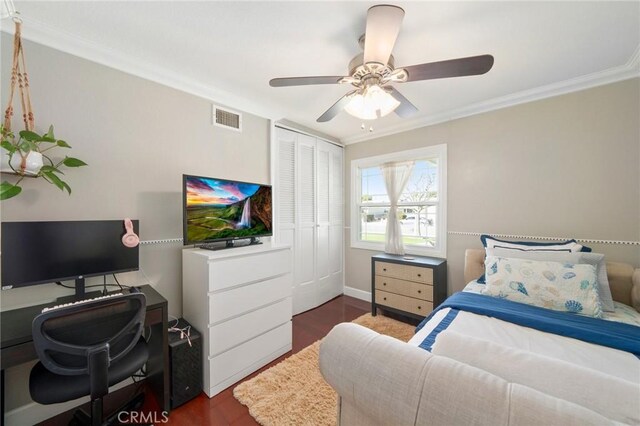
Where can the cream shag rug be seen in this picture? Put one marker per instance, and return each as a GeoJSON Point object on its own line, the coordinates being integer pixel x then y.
{"type": "Point", "coordinates": [293, 392]}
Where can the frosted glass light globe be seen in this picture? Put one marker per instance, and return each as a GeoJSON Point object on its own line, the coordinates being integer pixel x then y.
{"type": "Point", "coordinates": [374, 103]}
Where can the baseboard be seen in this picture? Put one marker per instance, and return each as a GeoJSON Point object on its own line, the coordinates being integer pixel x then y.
{"type": "Point", "coordinates": [357, 293]}
{"type": "Point", "coordinates": [33, 413]}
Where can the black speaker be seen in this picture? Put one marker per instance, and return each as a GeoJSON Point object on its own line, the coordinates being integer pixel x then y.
{"type": "Point", "coordinates": [185, 363]}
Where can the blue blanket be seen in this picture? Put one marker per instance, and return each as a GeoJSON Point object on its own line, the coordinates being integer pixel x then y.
{"type": "Point", "coordinates": [624, 337]}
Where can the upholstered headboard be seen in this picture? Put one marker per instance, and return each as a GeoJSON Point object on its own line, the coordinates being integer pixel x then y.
{"type": "Point", "coordinates": [623, 280]}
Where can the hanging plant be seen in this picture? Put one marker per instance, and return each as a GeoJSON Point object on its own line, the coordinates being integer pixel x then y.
{"type": "Point", "coordinates": [24, 155]}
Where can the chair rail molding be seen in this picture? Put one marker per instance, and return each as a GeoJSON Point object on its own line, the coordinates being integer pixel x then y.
{"type": "Point", "coordinates": [533, 237]}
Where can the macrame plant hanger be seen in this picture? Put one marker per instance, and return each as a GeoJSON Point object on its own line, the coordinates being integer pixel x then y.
{"type": "Point", "coordinates": [24, 154]}
{"type": "Point", "coordinates": [20, 78]}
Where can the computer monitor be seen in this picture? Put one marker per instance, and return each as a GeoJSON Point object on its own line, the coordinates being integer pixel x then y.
{"type": "Point", "coordinates": [46, 252]}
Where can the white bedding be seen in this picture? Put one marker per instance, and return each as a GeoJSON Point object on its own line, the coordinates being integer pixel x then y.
{"type": "Point", "coordinates": [607, 360]}
{"type": "Point", "coordinates": [622, 313]}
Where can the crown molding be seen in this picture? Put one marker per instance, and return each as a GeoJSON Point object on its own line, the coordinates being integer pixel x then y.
{"type": "Point", "coordinates": [291, 125]}
{"type": "Point", "coordinates": [47, 35]}
{"type": "Point", "coordinates": [630, 69]}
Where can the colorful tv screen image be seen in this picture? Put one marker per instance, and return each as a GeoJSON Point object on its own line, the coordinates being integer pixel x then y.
{"type": "Point", "coordinates": [217, 209]}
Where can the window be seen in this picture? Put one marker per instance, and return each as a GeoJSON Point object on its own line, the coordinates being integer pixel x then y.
{"type": "Point", "coordinates": [421, 207]}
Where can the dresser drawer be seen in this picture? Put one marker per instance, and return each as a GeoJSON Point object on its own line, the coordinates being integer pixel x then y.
{"type": "Point", "coordinates": [404, 303]}
{"type": "Point", "coordinates": [235, 271]}
{"type": "Point", "coordinates": [231, 333]}
{"type": "Point", "coordinates": [405, 288]}
{"type": "Point", "coordinates": [405, 272]}
{"type": "Point", "coordinates": [237, 301]}
{"type": "Point", "coordinates": [246, 357]}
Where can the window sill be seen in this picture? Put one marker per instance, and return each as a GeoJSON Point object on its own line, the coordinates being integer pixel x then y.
{"type": "Point", "coordinates": [418, 251]}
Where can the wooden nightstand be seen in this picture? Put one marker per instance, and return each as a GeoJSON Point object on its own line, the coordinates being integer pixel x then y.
{"type": "Point", "coordinates": [409, 287]}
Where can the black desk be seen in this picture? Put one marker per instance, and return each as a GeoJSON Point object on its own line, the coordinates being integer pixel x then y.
{"type": "Point", "coordinates": [17, 344]}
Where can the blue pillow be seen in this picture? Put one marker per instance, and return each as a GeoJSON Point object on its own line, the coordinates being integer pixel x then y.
{"type": "Point", "coordinates": [484, 237]}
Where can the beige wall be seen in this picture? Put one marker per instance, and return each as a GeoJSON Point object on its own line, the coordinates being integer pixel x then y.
{"type": "Point", "coordinates": [564, 166]}
{"type": "Point", "coordinates": [138, 138]}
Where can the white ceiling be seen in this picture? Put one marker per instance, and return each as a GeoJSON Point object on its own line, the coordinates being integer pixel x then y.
{"type": "Point", "coordinates": [228, 51]}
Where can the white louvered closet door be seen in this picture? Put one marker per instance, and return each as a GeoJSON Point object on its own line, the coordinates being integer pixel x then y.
{"type": "Point", "coordinates": [308, 193]}
{"type": "Point", "coordinates": [285, 189]}
{"type": "Point", "coordinates": [323, 276]}
{"type": "Point", "coordinates": [336, 220]}
{"type": "Point", "coordinates": [305, 292]}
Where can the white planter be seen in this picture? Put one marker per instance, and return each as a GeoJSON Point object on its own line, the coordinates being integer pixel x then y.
{"type": "Point", "coordinates": [30, 165]}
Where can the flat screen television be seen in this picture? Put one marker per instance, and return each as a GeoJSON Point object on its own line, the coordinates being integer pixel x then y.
{"type": "Point", "coordinates": [224, 210]}
{"type": "Point", "coordinates": [46, 252]}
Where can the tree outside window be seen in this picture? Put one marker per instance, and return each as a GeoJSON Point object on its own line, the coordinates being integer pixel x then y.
{"type": "Point", "coordinates": [421, 206]}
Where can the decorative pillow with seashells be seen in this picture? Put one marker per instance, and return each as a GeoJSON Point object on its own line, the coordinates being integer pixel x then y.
{"type": "Point", "coordinates": [559, 286]}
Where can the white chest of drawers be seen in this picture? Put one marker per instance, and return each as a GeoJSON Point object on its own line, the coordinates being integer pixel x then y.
{"type": "Point", "coordinates": [240, 300]}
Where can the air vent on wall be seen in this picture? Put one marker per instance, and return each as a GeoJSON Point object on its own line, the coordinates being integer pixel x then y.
{"type": "Point", "coordinates": [223, 117]}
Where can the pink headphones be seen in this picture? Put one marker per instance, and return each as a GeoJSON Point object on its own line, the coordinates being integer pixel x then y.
{"type": "Point", "coordinates": [130, 239]}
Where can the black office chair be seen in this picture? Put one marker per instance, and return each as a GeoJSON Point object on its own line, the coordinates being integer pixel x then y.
{"type": "Point", "coordinates": [85, 348]}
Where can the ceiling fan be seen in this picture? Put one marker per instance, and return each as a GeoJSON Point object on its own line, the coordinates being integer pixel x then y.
{"type": "Point", "coordinates": [373, 71]}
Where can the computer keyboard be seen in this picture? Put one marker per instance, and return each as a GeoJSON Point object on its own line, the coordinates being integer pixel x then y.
{"type": "Point", "coordinates": [81, 302]}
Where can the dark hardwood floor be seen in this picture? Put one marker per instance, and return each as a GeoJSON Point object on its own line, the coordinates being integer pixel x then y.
{"type": "Point", "coordinates": [223, 409]}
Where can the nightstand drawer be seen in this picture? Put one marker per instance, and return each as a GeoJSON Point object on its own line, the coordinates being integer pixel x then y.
{"type": "Point", "coordinates": [405, 288]}
{"type": "Point", "coordinates": [405, 272]}
{"type": "Point", "coordinates": [404, 303]}
{"type": "Point", "coordinates": [419, 307]}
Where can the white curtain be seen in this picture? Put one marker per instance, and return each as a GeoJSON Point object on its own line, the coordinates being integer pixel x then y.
{"type": "Point", "coordinates": [396, 176]}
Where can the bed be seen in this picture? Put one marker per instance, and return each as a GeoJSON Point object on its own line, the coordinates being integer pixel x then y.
{"type": "Point", "coordinates": [478, 369]}
{"type": "Point", "coordinates": [618, 363]}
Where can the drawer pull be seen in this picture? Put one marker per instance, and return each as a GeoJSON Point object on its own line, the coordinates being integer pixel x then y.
{"type": "Point", "coordinates": [419, 307]}
{"type": "Point", "coordinates": [419, 291]}
{"type": "Point", "coordinates": [384, 298]}
{"type": "Point", "coordinates": [384, 269]}
{"type": "Point", "coordinates": [419, 275]}
{"type": "Point", "coordinates": [384, 283]}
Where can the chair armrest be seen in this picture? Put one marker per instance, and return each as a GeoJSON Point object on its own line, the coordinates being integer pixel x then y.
{"type": "Point", "coordinates": [378, 375]}
{"type": "Point", "coordinates": [635, 290]}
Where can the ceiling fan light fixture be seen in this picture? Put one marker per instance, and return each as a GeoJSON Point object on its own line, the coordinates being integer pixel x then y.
{"type": "Point", "coordinates": [372, 71]}
{"type": "Point", "coordinates": [373, 102]}
{"type": "Point", "coordinates": [398, 75]}
{"type": "Point", "coordinates": [349, 80]}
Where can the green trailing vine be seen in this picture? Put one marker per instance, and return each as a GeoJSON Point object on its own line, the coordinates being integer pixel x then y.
{"type": "Point", "coordinates": [26, 142]}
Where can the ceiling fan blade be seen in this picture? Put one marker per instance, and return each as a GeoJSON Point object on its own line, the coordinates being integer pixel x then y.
{"type": "Point", "coordinates": [383, 26]}
{"type": "Point", "coordinates": [304, 81]}
{"type": "Point", "coordinates": [336, 108]}
{"type": "Point", "coordinates": [406, 108]}
{"type": "Point", "coordinates": [473, 65]}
